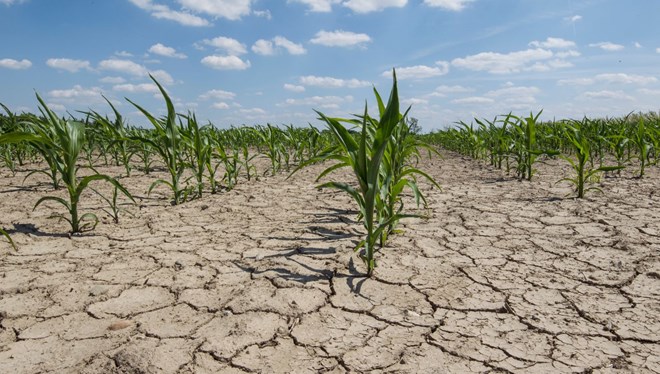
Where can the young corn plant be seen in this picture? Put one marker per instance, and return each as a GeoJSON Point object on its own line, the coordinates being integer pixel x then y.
{"type": "Point", "coordinates": [117, 136]}
{"type": "Point", "coordinates": [576, 136]}
{"type": "Point", "coordinates": [527, 149]}
{"type": "Point", "coordinates": [365, 156]}
{"type": "Point", "coordinates": [64, 140]}
{"type": "Point", "coordinates": [166, 142]}
{"type": "Point", "coordinates": [114, 207]}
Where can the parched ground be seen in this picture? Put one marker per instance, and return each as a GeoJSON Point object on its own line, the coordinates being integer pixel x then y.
{"type": "Point", "coordinates": [505, 276]}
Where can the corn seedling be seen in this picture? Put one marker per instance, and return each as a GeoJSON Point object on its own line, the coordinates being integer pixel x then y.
{"type": "Point", "coordinates": [582, 152]}
{"type": "Point", "coordinates": [364, 154]}
{"type": "Point", "coordinates": [167, 143]}
{"type": "Point", "coordinates": [114, 208]}
{"type": "Point", "coordinates": [64, 141]}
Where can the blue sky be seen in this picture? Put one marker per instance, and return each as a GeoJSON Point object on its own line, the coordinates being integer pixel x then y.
{"type": "Point", "coordinates": [237, 62]}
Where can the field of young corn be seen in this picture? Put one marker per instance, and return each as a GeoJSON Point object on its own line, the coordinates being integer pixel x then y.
{"type": "Point", "coordinates": [355, 245]}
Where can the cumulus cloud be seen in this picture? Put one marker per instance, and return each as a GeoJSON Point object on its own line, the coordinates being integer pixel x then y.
{"type": "Point", "coordinates": [270, 47]}
{"type": "Point", "coordinates": [68, 64]}
{"type": "Point", "coordinates": [10, 63]}
{"type": "Point", "coordinates": [607, 95]}
{"type": "Point", "coordinates": [473, 100]}
{"type": "Point", "coordinates": [225, 62]}
{"type": "Point", "coordinates": [320, 101]}
{"type": "Point", "coordinates": [357, 6]}
{"type": "Point", "coordinates": [229, 9]}
{"type": "Point", "coordinates": [229, 45]}
{"type": "Point", "coordinates": [330, 82]}
{"type": "Point", "coordinates": [420, 71]}
{"type": "Point", "coordinates": [453, 5]}
{"type": "Point", "coordinates": [112, 80]}
{"type": "Point", "coordinates": [162, 50]}
{"type": "Point", "coordinates": [221, 105]}
{"type": "Point", "coordinates": [368, 6]}
{"type": "Point", "coordinates": [442, 91]}
{"type": "Point", "coordinates": [263, 47]}
{"type": "Point", "coordinates": [553, 43]}
{"type": "Point", "coordinates": [134, 88]}
{"type": "Point", "coordinates": [164, 12]}
{"type": "Point", "coordinates": [574, 18]}
{"type": "Point", "coordinates": [131, 68]}
{"type": "Point", "coordinates": [607, 46]}
{"type": "Point", "coordinates": [217, 95]}
{"type": "Point", "coordinates": [321, 6]}
{"type": "Point", "coordinates": [294, 88]}
{"type": "Point", "coordinates": [537, 59]}
{"type": "Point", "coordinates": [77, 95]}
{"type": "Point", "coordinates": [618, 78]}
{"type": "Point", "coordinates": [12, 2]}
{"type": "Point", "coordinates": [340, 38]}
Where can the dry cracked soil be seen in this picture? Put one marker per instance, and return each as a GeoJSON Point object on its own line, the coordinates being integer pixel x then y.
{"type": "Point", "coordinates": [504, 276]}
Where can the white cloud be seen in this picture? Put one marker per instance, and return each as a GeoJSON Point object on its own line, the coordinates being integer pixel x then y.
{"type": "Point", "coordinates": [225, 62]}
{"type": "Point", "coordinates": [11, 2]}
{"type": "Point", "coordinates": [293, 87]}
{"type": "Point", "coordinates": [367, 6]}
{"type": "Point", "coordinates": [229, 9]}
{"type": "Point", "coordinates": [322, 101]}
{"type": "Point", "coordinates": [473, 100]}
{"type": "Point", "coordinates": [454, 5]}
{"type": "Point", "coordinates": [498, 63]}
{"type": "Point", "coordinates": [340, 38]}
{"type": "Point", "coordinates": [291, 47]}
{"type": "Point", "coordinates": [321, 6]}
{"type": "Point", "coordinates": [576, 82]}
{"type": "Point", "coordinates": [637, 45]}
{"type": "Point", "coordinates": [56, 107]}
{"type": "Point", "coordinates": [414, 101]}
{"type": "Point", "coordinates": [76, 94]}
{"type": "Point", "coordinates": [112, 80]}
{"type": "Point", "coordinates": [68, 64]}
{"type": "Point", "coordinates": [270, 47]}
{"type": "Point", "coordinates": [553, 43]}
{"type": "Point", "coordinates": [574, 18]}
{"type": "Point", "coordinates": [142, 87]}
{"type": "Point", "coordinates": [123, 54]}
{"type": "Point", "coordinates": [566, 54]}
{"type": "Point", "coordinates": [15, 64]}
{"type": "Point", "coordinates": [163, 50]}
{"type": "Point", "coordinates": [623, 78]}
{"type": "Point", "coordinates": [330, 82]}
{"type": "Point", "coordinates": [164, 12]}
{"type": "Point", "coordinates": [263, 47]}
{"type": "Point", "coordinates": [618, 78]}
{"type": "Point", "coordinates": [657, 50]}
{"type": "Point", "coordinates": [263, 13]}
{"type": "Point", "coordinates": [607, 46]}
{"type": "Point", "coordinates": [420, 71]}
{"type": "Point", "coordinates": [132, 68]}
{"type": "Point", "coordinates": [231, 46]}
{"type": "Point", "coordinates": [123, 66]}
{"type": "Point", "coordinates": [162, 77]}
{"type": "Point", "coordinates": [217, 95]}
{"type": "Point", "coordinates": [252, 111]}
{"type": "Point", "coordinates": [220, 105]}
{"type": "Point", "coordinates": [607, 95]}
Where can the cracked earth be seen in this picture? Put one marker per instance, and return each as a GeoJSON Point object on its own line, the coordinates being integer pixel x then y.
{"type": "Point", "coordinates": [504, 276]}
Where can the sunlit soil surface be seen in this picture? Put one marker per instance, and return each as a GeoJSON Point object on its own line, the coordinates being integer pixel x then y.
{"type": "Point", "coordinates": [504, 276]}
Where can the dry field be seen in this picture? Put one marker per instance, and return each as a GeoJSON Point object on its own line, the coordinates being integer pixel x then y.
{"type": "Point", "coordinates": [505, 276]}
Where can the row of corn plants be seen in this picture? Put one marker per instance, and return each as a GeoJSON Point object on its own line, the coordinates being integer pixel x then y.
{"type": "Point", "coordinates": [515, 144]}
